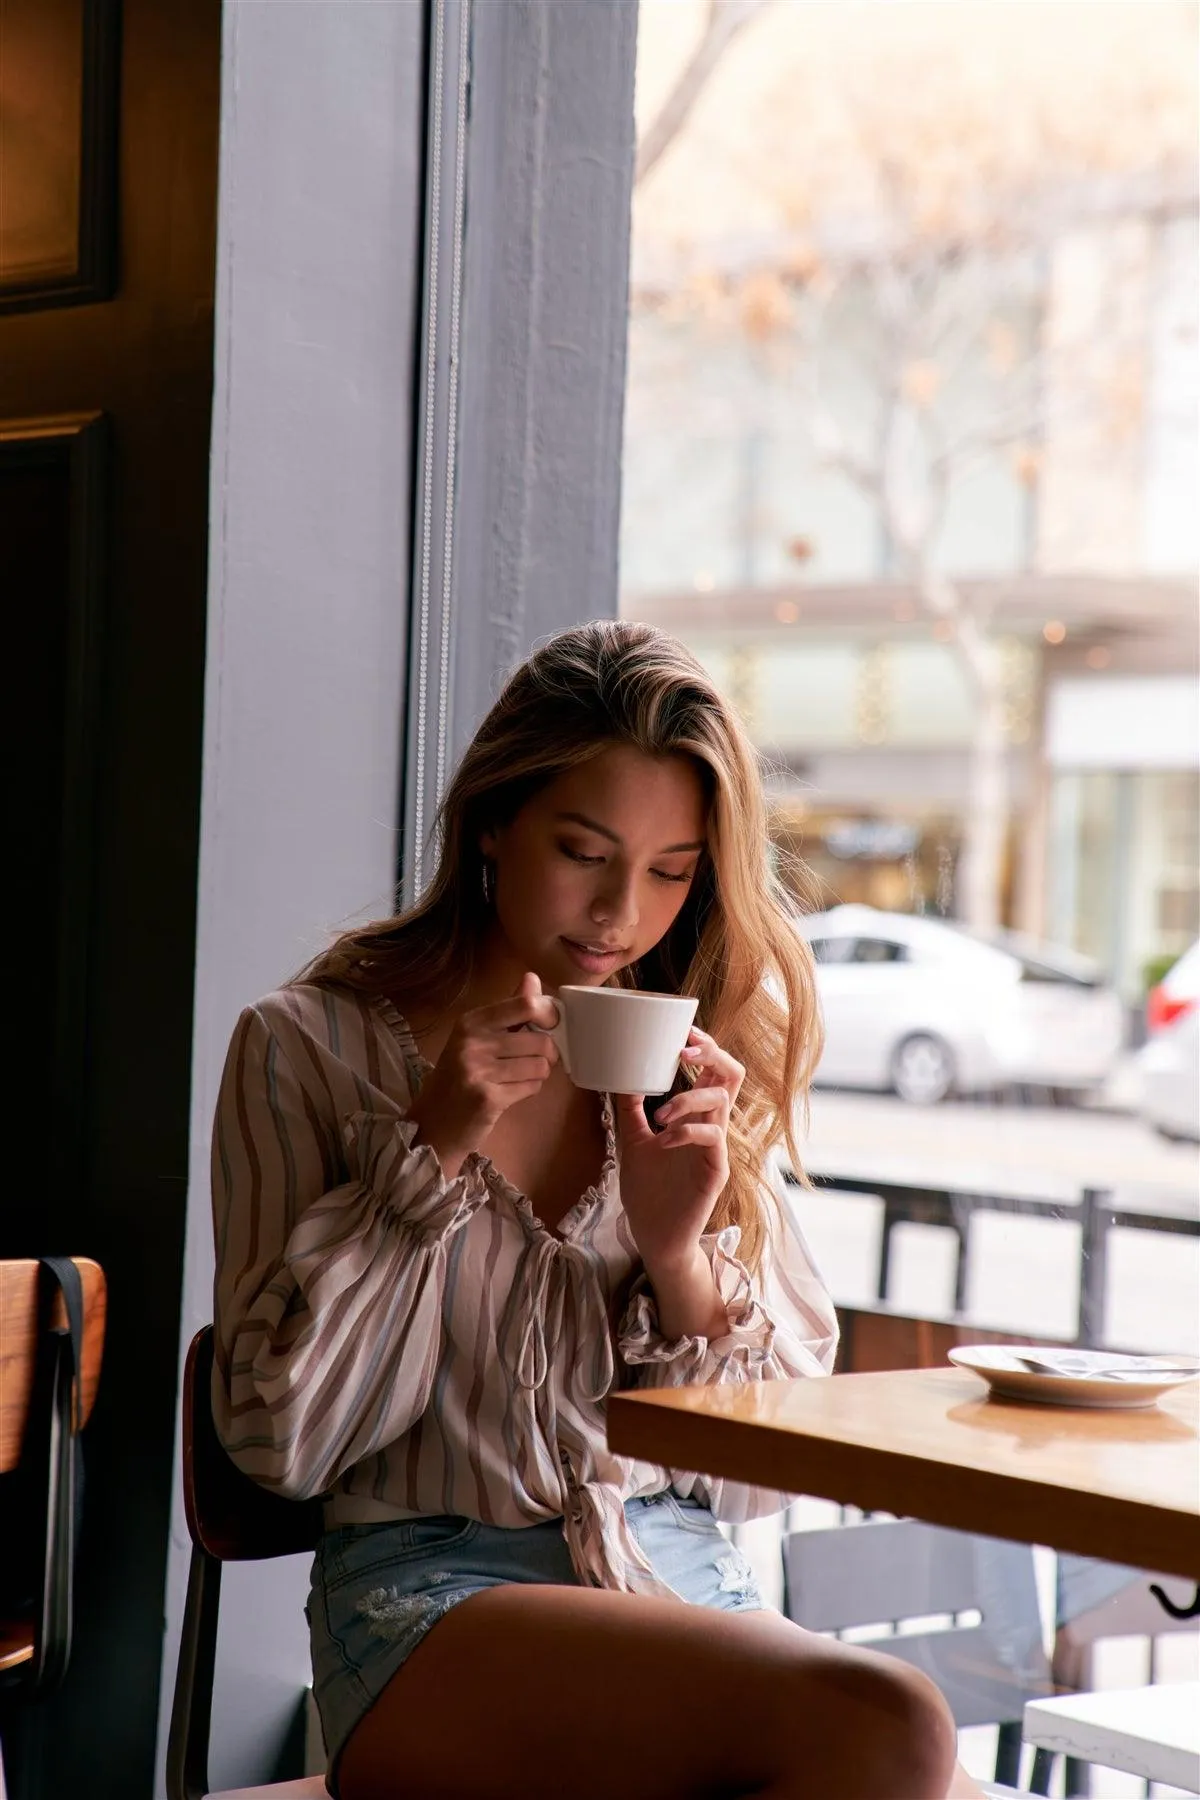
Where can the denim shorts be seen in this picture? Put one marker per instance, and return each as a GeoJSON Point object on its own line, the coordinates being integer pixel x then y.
{"type": "Point", "coordinates": [377, 1589]}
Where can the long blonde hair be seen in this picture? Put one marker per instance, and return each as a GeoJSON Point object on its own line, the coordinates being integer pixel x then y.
{"type": "Point", "coordinates": [734, 944]}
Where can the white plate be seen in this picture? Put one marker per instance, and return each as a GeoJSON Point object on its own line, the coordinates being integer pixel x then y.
{"type": "Point", "coordinates": [1080, 1378]}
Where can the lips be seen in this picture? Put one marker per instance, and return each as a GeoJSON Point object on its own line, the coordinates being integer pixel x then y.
{"type": "Point", "coordinates": [593, 958]}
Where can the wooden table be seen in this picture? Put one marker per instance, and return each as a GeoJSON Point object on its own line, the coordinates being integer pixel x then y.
{"type": "Point", "coordinates": [928, 1443]}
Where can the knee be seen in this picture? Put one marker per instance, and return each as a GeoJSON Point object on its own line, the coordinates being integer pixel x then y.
{"type": "Point", "coordinates": [874, 1729]}
{"type": "Point", "coordinates": [908, 1741]}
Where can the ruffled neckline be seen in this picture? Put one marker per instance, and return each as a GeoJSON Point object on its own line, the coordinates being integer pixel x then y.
{"type": "Point", "coordinates": [498, 1184]}
{"type": "Point", "coordinates": [402, 1031]}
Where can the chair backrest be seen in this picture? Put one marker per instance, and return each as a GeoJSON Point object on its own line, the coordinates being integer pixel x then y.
{"type": "Point", "coordinates": [49, 1372]}
{"type": "Point", "coordinates": [231, 1519]}
{"type": "Point", "coordinates": [899, 1572]}
{"type": "Point", "coordinates": [20, 1292]}
{"type": "Point", "coordinates": [229, 1516]}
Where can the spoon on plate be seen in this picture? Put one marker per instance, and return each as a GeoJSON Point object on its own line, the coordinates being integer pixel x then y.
{"type": "Point", "coordinates": [1075, 1368]}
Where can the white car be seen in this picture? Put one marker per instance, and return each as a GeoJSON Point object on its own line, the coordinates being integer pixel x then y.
{"type": "Point", "coordinates": [922, 1007]}
{"type": "Point", "coordinates": [1169, 1064]}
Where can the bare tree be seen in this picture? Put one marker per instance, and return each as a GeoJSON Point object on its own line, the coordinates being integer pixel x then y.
{"type": "Point", "coordinates": [928, 213]}
{"type": "Point", "coordinates": [984, 303]}
{"type": "Point", "coordinates": [933, 315]}
{"type": "Point", "coordinates": [723, 21]}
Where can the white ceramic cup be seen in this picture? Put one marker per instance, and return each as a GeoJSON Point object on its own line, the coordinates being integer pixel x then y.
{"type": "Point", "coordinates": [620, 1042]}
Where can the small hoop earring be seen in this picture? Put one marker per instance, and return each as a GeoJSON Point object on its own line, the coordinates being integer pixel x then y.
{"type": "Point", "coordinates": [488, 882]}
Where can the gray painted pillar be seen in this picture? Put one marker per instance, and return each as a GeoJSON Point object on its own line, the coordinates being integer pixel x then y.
{"type": "Point", "coordinates": [536, 305]}
{"type": "Point", "coordinates": [542, 322]}
{"type": "Point", "coordinates": [316, 309]}
{"type": "Point", "coordinates": [545, 317]}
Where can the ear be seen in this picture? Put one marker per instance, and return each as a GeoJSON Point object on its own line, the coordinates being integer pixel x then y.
{"type": "Point", "coordinates": [487, 842]}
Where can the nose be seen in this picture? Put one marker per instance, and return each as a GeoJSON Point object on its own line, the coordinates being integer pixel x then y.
{"type": "Point", "coordinates": [614, 905]}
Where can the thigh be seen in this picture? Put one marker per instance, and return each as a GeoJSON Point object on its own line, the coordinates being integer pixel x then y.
{"type": "Point", "coordinates": [538, 1692]}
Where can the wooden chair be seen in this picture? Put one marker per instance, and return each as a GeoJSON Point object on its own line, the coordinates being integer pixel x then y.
{"type": "Point", "coordinates": [230, 1519]}
{"type": "Point", "coordinates": [44, 1403]}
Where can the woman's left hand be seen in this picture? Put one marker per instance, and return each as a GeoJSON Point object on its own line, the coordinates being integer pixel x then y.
{"type": "Point", "coordinates": [672, 1177]}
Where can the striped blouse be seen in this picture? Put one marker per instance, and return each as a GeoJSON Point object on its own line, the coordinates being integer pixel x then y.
{"type": "Point", "coordinates": [399, 1343]}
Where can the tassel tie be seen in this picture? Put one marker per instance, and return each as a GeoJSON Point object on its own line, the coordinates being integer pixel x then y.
{"type": "Point", "coordinates": [604, 1552]}
{"type": "Point", "coordinates": [556, 1278]}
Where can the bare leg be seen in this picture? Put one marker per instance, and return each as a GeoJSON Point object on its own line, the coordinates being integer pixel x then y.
{"type": "Point", "coordinates": [545, 1691]}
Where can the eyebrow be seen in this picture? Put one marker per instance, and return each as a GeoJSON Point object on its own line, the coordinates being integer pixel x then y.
{"type": "Point", "coordinates": [575, 818]}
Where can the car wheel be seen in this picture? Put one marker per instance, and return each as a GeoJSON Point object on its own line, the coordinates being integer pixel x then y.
{"type": "Point", "coordinates": [922, 1070]}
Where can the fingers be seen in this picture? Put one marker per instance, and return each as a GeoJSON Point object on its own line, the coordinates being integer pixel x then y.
{"type": "Point", "coordinates": [711, 1103]}
{"type": "Point", "coordinates": [544, 1011]}
{"type": "Point", "coordinates": [521, 1090]}
{"type": "Point", "coordinates": [528, 1006]}
{"type": "Point", "coordinates": [702, 1136]}
{"type": "Point", "coordinates": [511, 1069]}
{"type": "Point", "coordinates": [632, 1125]}
{"type": "Point", "coordinates": [705, 1056]}
{"type": "Point", "coordinates": [517, 1042]}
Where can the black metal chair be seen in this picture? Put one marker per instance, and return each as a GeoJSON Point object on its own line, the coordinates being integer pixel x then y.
{"type": "Point", "coordinates": [230, 1519]}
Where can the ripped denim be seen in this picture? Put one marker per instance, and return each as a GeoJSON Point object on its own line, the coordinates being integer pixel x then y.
{"type": "Point", "coordinates": [377, 1589]}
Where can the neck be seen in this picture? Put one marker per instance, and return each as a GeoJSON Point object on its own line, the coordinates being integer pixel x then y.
{"type": "Point", "coordinates": [496, 972]}
{"type": "Point", "coordinates": [495, 975]}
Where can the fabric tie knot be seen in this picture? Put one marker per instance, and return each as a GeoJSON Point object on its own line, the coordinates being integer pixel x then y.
{"type": "Point", "coordinates": [557, 1278]}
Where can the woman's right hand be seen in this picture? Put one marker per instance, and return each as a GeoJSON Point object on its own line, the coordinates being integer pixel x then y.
{"type": "Point", "coordinates": [489, 1063]}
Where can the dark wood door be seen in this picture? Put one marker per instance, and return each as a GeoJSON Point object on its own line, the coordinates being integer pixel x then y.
{"type": "Point", "coordinates": [108, 175]}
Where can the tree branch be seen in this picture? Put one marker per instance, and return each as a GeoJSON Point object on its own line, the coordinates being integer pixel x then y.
{"type": "Point", "coordinates": [724, 20]}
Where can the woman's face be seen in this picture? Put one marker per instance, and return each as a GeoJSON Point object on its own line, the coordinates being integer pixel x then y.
{"type": "Point", "coordinates": [594, 869]}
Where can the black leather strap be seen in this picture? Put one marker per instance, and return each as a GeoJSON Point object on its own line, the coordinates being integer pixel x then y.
{"type": "Point", "coordinates": [62, 1471]}
{"type": "Point", "coordinates": [64, 1278]}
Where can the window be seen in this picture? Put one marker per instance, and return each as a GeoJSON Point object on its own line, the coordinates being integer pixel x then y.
{"type": "Point", "coordinates": [852, 326]}
{"type": "Point", "coordinates": [833, 950]}
{"type": "Point", "coordinates": [879, 950]}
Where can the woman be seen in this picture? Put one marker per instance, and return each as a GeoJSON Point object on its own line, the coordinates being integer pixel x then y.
{"type": "Point", "coordinates": [436, 1257]}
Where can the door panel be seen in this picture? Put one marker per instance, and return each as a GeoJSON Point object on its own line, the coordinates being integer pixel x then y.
{"type": "Point", "coordinates": [105, 386]}
{"type": "Point", "coordinates": [52, 475]}
{"type": "Point", "coordinates": [58, 112]}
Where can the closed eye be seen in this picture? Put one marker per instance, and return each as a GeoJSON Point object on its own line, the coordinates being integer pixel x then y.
{"type": "Point", "coordinates": [590, 862]}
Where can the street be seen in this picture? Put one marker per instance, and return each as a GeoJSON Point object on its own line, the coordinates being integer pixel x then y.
{"type": "Point", "coordinates": [1024, 1272]}
{"type": "Point", "coordinates": [1055, 1144]}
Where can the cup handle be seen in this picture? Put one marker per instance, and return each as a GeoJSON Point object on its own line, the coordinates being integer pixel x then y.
{"type": "Point", "coordinates": [557, 1031]}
